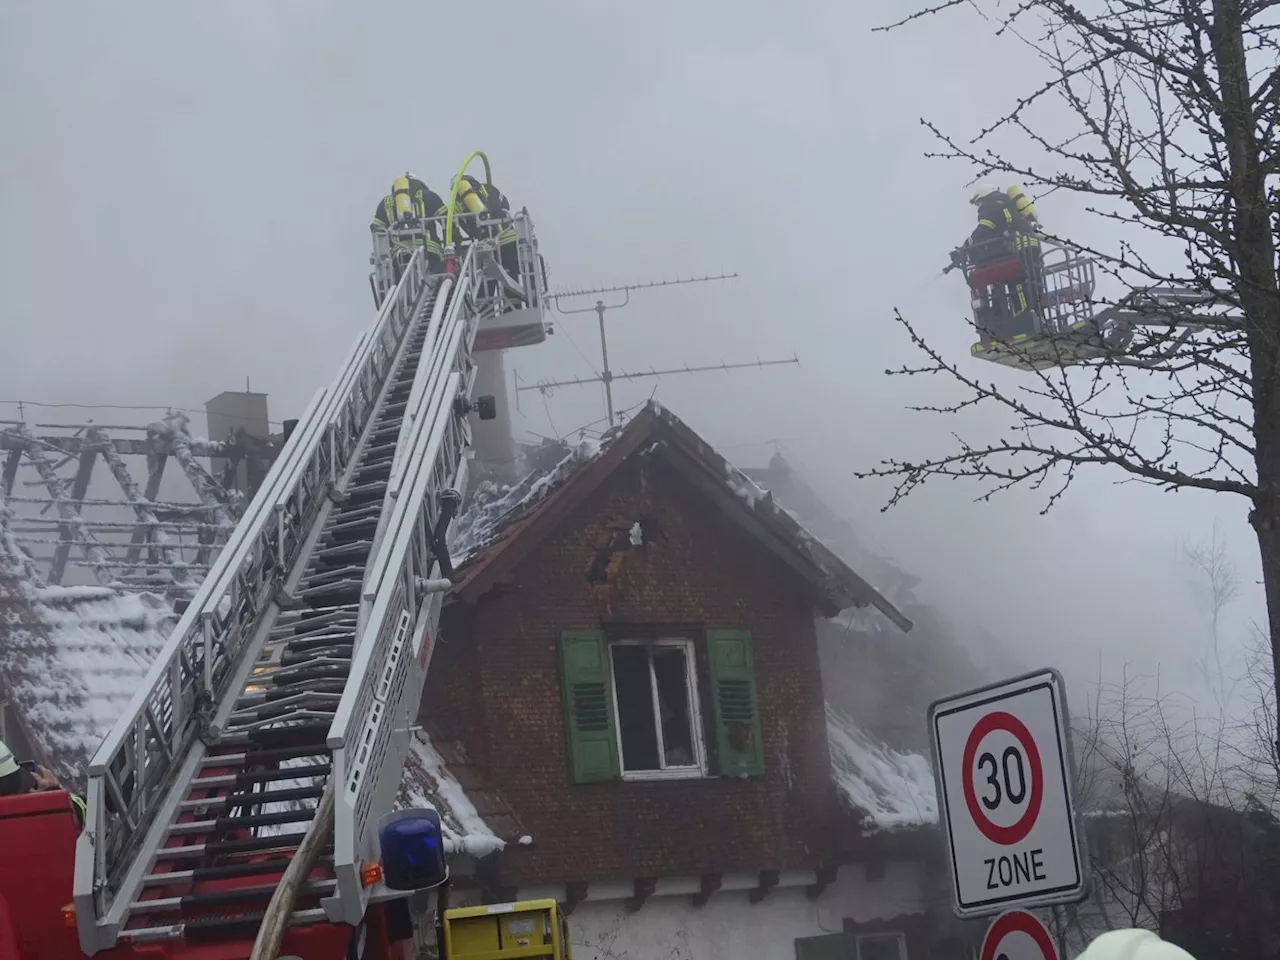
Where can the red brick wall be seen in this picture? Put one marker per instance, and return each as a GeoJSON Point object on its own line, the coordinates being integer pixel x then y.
{"type": "Point", "coordinates": [703, 571]}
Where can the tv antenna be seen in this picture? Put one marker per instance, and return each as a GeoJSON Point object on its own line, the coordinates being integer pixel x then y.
{"type": "Point", "coordinates": [607, 375]}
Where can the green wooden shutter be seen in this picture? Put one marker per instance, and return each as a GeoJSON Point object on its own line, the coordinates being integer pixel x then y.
{"type": "Point", "coordinates": [735, 704]}
{"type": "Point", "coordinates": [588, 706]}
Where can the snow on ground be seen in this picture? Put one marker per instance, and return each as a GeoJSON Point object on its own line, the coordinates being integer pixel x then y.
{"type": "Point", "coordinates": [428, 783]}
{"type": "Point", "coordinates": [892, 789]}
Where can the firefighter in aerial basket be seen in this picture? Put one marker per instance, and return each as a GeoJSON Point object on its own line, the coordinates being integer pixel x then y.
{"type": "Point", "coordinates": [1004, 261]}
{"type": "Point", "coordinates": [486, 200]}
{"type": "Point", "coordinates": [412, 205]}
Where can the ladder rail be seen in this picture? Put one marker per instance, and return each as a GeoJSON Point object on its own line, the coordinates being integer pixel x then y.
{"type": "Point", "coordinates": [405, 592]}
{"type": "Point", "coordinates": [137, 762]}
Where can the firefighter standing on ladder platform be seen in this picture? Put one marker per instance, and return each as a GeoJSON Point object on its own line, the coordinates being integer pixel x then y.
{"type": "Point", "coordinates": [411, 203]}
{"type": "Point", "coordinates": [1004, 251]}
{"type": "Point", "coordinates": [484, 199]}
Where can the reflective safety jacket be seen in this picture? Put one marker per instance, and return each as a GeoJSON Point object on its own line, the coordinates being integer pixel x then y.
{"type": "Point", "coordinates": [411, 200]}
{"type": "Point", "coordinates": [995, 220]}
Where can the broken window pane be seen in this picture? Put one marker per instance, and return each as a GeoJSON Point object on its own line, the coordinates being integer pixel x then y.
{"type": "Point", "coordinates": [672, 677]}
{"type": "Point", "coordinates": [633, 688]}
{"type": "Point", "coordinates": [656, 718]}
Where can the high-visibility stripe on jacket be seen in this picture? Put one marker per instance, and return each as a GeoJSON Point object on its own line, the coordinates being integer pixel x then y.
{"type": "Point", "coordinates": [79, 810]}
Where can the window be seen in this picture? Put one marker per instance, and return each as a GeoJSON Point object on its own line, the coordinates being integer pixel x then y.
{"type": "Point", "coordinates": [882, 946]}
{"type": "Point", "coordinates": [656, 705]}
{"type": "Point", "coordinates": [632, 707]}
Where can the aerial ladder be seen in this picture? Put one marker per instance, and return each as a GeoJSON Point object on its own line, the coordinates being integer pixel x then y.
{"type": "Point", "coordinates": [299, 663]}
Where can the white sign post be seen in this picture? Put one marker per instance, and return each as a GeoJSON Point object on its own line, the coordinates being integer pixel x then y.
{"type": "Point", "coordinates": [1018, 935]}
{"type": "Point", "coordinates": [1002, 760]}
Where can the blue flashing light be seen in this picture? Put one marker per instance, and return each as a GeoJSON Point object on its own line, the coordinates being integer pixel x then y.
{"type": "Point", "coordinates": [413, 851]}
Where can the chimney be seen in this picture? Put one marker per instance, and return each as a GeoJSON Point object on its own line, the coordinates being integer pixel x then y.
{"type": "Point", "coordinates": [229, 413]}
{"type": "Point", "coordinates": [494, 445]}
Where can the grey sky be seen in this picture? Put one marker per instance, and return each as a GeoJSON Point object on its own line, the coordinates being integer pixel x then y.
{"type": "Point", "coordinates": [215, 166]}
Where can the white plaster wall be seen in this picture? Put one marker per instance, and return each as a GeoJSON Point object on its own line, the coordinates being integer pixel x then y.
{"type": "Point", "coordinates": [729, 927]}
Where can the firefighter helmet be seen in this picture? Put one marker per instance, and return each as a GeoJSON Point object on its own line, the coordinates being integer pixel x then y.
{"type": "Point", "coordinates": [981, 192]}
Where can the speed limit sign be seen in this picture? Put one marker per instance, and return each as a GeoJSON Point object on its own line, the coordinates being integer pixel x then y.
{"type": "Point", "coordinates": [1002, 759]}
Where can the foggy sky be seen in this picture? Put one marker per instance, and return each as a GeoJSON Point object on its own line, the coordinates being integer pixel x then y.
{"type": "Point", "coordinates": [186, 191]}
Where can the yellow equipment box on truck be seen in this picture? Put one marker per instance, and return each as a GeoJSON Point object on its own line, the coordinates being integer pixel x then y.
{"type": "Point", "coordinates": [533, 929]}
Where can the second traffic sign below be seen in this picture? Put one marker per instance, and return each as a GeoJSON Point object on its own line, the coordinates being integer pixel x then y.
{"type": "Point", "coordinates": [1002, 758]}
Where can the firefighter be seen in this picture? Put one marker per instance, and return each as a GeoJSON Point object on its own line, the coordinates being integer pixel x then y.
{"type": "Point", "coordinates": [1002, 300]}
{"type": "Point", "coordinates": [1026, 225]}
{"type": "Point", "coordinates": [411, 202]}
{"type": "Point", "coordinates": [18, 777]}
{"type": "Point", "coordinates": [485, 199]}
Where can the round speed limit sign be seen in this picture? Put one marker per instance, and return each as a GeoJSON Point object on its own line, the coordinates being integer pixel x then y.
{"type": "Point", "coordinates": [1003, 779]}
{"type": "Point", "coordinates": [1017, 935]}
{"type": "Point", "coordinates": [1002, 761]}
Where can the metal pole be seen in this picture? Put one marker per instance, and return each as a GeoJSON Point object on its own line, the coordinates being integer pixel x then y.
{"type": "Point", "coordinates": [606, 376]}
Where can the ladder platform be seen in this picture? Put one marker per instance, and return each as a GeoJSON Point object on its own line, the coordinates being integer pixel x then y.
{"type": "Point", "coordinates": [1040, 351]}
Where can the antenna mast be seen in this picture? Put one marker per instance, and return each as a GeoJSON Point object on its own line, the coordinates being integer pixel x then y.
{"type": "Point", "coordinates": [607, 376]}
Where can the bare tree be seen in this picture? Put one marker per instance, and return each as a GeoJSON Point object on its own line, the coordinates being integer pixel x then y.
{"type": "Point", "coordinates": [1181, 825]}
{"type": "Point", "coordinates": [1163, 116]}
{"type": "Point", "coordinates": [1219, 583]}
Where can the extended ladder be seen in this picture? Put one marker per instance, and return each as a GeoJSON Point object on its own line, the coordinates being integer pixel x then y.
{"type": "Point", "coordinates": [302, 655]}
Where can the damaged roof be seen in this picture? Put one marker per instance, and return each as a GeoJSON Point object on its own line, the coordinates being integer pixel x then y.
{"type": "Point", "coordinates": [502, 526]}
{"type": "Point", "coordinates": [438, 773]}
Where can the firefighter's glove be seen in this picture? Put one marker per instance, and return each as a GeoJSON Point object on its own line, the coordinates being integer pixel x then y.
{"type": "Point", "coordinates": [957, 257]}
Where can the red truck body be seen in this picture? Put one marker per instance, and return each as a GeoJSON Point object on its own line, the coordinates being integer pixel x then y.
{"type": "Point", "coordinates": [37, 858]}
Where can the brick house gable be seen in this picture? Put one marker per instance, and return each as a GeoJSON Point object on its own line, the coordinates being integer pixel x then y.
{"type": "Point", "coordinates": [654, 536]}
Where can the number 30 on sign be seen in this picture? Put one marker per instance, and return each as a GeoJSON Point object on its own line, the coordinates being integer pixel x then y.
{"type": "Point", "coordinates": [1003, 764]}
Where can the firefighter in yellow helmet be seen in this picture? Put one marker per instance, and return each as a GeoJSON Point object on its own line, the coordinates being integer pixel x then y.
{"type": "Point", "coordinates": [412, 203]}
{"type": "Point", "coordinates": [18, 777]}
{"type": "Point", "coordinates": [1132, 944]}
{"type": "Point", "coordinates": [1007, 266]}
{"type": "Point", "coordinates": [487, 201]}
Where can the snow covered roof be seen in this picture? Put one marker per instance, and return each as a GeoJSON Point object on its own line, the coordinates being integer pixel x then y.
{"type": "Point", "coordinates": [890, 790]}
{"type": "Point", "coordinates": [72, 657]}
{"type": "Point", "coordinates": [477, 822]}
{"type": "Point", "coordinates": [488, 539]}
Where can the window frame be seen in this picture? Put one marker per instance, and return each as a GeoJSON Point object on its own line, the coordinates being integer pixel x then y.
{"type": "Point", "coordinates": [896, 935]}
{"type": "Point", "coordinates": [696, 771]}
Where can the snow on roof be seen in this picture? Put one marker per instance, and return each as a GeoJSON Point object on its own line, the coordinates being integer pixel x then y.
{"type": "Point", "coordinates": [71, 658]}
{"type": "Point", "coordinates": [493, 507]}
{"type": "Point", "coordinates": [890, 789]}
{"type": "Point", "coordinates": [427, 782]}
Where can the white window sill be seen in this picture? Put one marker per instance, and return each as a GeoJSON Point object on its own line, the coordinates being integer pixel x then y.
{"type": "Point", "coordinates": [680, 773]}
